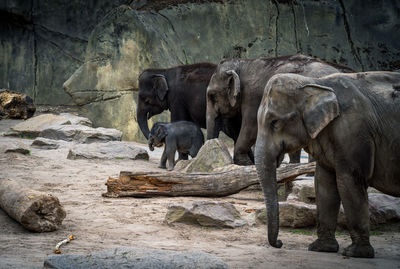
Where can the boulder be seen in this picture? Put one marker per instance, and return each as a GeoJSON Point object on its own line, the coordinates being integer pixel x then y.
{"type": "Point", "coordinates": [32, 127]}
{"type": "Point", "coordinates": [213, 154]}
{"type": "Point", "coordinates": [303, 190]}
{"type": "Point", "coordinates": [109, 150]}
{"type": "Point", "coordinates": [383, 209]}
{"type": "Point", "coordinates": [17, 147]}
{"type": "Point", "coordinates": [44, 143]}
{"type": "Point", "coordinates": [292, 214]}
{"type": "Point", "coordinates": [136, 258]}
{"type": "Point", "coordinates": [81, 133]}
{"type": "Point", "coordinates": [15, 105]}
{"type": "Point", "coordinates": [205, 213]}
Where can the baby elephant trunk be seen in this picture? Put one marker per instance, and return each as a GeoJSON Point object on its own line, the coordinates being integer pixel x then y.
{"type": "Point", "coordinates": [151, 144]}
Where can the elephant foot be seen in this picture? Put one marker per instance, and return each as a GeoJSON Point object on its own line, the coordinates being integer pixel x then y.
{"type": "Point", "coordinates": [359, 251]}
{"type": "Point", "coordinates": [162, 166]}
{"type": "Point", "coordinates": [327, 245]}
{"type": "Point", "coordinates": [242, 161]}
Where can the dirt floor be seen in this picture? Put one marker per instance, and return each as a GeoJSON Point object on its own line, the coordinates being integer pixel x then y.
{"type": "Point", "coordinates": [102, 223]}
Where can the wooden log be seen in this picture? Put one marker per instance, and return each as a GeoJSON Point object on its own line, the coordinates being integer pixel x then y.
{"type": "Point", "coordinates": [36, 211]}
{"type": "Point", "coordinates": [140, 184]}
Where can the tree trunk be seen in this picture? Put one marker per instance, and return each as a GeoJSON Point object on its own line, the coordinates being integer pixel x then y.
{"type": "Point", "coordinates": [36, 211]}
{"type": "Point", "coordinates": [139, 184]}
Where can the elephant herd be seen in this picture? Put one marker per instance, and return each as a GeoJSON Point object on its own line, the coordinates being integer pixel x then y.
{"type": "Point", "coordinates": [348, 122]}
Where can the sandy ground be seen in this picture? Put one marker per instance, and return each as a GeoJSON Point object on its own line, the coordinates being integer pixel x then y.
{"type": "Point", "coordinates": [102, 223]}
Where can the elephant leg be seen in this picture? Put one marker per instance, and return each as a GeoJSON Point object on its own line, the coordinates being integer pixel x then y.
{"type": "Point", "coordinates": [328, 204]}
{"type": "Point", "coordinates": [295, 157]}
{"type": "Point", "coordinates": [355, 203]}
{"type": "Point", "coordinates": [183, 156]}
{"type": "Point", "coordinates": [246, 139]}
{"type": "Point", "coordinates": [163, 161]}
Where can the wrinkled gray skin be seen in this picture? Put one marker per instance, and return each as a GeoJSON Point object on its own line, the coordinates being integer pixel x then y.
{"type": "Point", "coordinates": [235, 91]}
{"type": "Point", "coordinates": [320, 115]}
{"type": "Point", "coordinates": [182, 136]}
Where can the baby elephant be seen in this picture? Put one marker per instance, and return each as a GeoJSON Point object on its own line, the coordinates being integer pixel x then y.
{"type": "Point", "coordinates": [182, 136]}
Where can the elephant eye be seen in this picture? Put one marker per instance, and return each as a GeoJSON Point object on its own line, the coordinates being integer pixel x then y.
{"type": "Point", "coordinates": [273, 124]}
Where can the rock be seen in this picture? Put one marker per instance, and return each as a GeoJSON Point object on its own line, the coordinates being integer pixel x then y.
{"type": "Point", "coordinates": [33, 126]}
{"type": "Point", "coordinates": [109, 150]}
{"type": "Point", "coordinates": [15, 105]}
{"type": "Point", "coordinates": [213, 154]}
{"type": "Point", "coordinates": [293, 214]}
{"type": "Point", "coordinates": [18, 147]}
{"type": "Point", "coordinates": [383, 209]}
{"type": "Point", "coordinates": [81, 133]}
{"type": "Point", "coordinates": [136, 258]}
{"type": "Point", "coordinates": [181, 165]}
{"type": "Point", "coordinates": [44, 143]}
{"type": "Point", "coordinates": [303, 190]}
{"type": "Point", "coordinates": [205, 213]}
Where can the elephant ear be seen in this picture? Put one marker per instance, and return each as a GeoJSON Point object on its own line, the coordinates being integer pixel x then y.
{"type": "Point", "coordinates": [161, 132]}
{"type": "Point", "coordinates": [160, 85]}
{"type": "Point", "coordinates": [320, 108]}
{"type": "Point", "coordinates": [234, 88]}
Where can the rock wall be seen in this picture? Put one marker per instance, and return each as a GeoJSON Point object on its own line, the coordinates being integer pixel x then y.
{"type": "Point", "coordinates": [99, 50]}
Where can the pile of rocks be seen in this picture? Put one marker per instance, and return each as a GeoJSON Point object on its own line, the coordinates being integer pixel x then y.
{"type": "Point", "coordinates": [49, 131]}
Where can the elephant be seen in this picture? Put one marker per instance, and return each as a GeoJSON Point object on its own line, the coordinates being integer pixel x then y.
{"type": "Point", "coordinates": [180, 89]}
{"type": "Point", "coordinates": [350, 124]}
{"type": "Point", "coordinates": [235, 91]}
{"type": "Point", "coordinates": [182, 136]}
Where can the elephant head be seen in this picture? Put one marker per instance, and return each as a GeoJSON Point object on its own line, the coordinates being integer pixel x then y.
{"type": "Point", "coordinates": [157, 135]}
{"type": "Point", "coordinates": [152, 98]}
{"type": "Point", "coordinates": [223, 97]}
{"type": "Point", "coordinates": [293, 111]}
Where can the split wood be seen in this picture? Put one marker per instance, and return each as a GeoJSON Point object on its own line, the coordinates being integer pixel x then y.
{"type": "Point", "coordinates": [152, 184]}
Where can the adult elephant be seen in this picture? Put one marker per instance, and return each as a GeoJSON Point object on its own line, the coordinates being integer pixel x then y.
{"type": "Point", "coordinates": [181, 89]}
{"type": "Point", "coordinates": [350, 124]}
{"type": "Point", "coordinates": [236, 89]}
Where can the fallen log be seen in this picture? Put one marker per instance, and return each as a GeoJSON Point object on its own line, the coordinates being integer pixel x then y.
{"type": "Point", "coordinates": [140, 184]}
{"type": "Point", "coordinates": [34, 210]}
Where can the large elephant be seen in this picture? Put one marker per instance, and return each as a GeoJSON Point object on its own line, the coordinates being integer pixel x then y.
{"type": "Point", "coordinates": [236, 89]}
{"type": "Point", "coordinates": [181, 89]}
{"type": "Point", "coordinates": [350, 124]}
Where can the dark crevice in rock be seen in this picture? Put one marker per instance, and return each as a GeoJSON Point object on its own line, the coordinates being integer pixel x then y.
{"type": "Point", "coordinates": [157, 5]}
{"type": "Point", "coordinates": [35, 60]}
{"type": "Point", "coordinates": [356, 56]}
{"type": "Point", "coordinates": [60, 49]}
{"type": "Point", "coordinates": [298, 50]}
{"type": "Point", "coordinates": [72, 38]}
{"type": "Point", "coordinates": [276, 27]}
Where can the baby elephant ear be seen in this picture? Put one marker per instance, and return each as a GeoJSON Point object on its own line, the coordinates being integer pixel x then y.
{"type": "Point", "coordinates": [161, 131]}
{"type": "Point", "coordinates": [160, 86]}
{"type": "Point", "coordinates": [320, 108]}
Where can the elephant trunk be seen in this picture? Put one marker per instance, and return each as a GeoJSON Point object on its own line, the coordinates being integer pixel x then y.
{"type": "Point", "coordinates": [266, 161]}
{"type": "Point", "coordinates": [212, 125]}
{"type": "Point", "coordinates": [142, 121]}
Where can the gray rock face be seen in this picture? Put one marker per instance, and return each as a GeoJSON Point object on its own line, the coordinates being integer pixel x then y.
{"type": "Point", "coordinates": [44, 143]}
{"type": "Point", "coordinates": [213, 154]}
{"type": "Point", "coordinates": [108, 150]}
{"type": "Point", "coordinates": [100, 65]}
{"type": "Point", "coordinates": [81, 133]}
{"type": "Point", "coordinates": [32, 127]}
{"type": "Point", "coordinates": [205, 213]}
{"type": "Point", "coordinates": [136, 258]}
